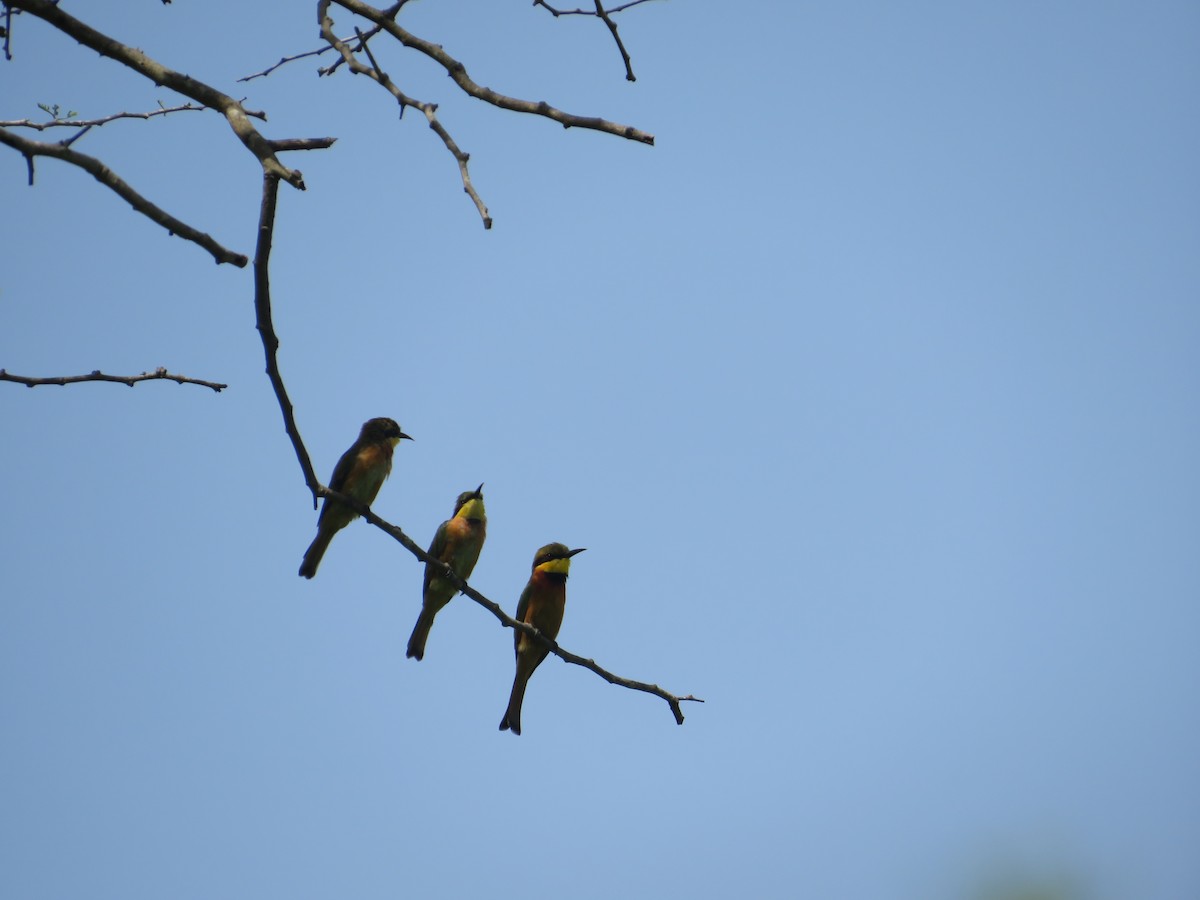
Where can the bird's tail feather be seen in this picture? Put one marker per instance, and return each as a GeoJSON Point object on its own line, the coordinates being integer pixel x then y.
{"type": "Point", "coordinates": [316, 550]}
{"type": "Point", "coordinates": [420, 634]}
{"type": "Point", "coordinates": [512, 715]}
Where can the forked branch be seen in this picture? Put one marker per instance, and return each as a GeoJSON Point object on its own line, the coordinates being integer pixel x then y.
{"type": "Point", "coordinates": [429, 110]}
{"type": "Point", "coordinates": [605, 15]}
{"type": "Point", "coordinates": [458, 72]}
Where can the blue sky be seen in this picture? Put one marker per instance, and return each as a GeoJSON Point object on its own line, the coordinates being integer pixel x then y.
{"type": "Point", "coordinates": [870, 388]}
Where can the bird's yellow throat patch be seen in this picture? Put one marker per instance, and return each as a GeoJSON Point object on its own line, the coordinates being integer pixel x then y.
{"type": "Point", "coordinates": [556, 566]}
{"type": "Point", "coordinates": [472, 509]}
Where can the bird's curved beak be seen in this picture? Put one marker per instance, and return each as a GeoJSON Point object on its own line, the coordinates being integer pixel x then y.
{"type": "Point", "coordinates": [573, 552]}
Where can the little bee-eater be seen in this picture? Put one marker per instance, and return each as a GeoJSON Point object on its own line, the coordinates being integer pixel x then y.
{"type": "Point", "coordinates": [457, 544]}
{"type": "Point", "coordinates": [541, 605]}
{"type": "Point", "coordinates": [360, 474]}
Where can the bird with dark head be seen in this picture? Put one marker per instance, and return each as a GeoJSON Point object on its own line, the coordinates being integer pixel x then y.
{"type": "Point", "coordinates": [456, 543]}
{"type": "Point", "coordinates": [541, 605]}
{"type": "Point", "coordinates": [359, 474]}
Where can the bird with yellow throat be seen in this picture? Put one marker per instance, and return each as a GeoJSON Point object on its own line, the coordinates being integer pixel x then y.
{"type": "Point", "coordinates": [456, 543]}
{"type": "Point", "coordinates": [541, 605]}
{"type": "Point", "coordinates": [359, 474]}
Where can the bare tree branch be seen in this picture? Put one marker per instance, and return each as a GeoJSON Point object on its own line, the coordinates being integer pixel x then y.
{"type": "Point", "coordinates": [159, 374]}
{"type": "Point", "coordinates": [612, 27]}
{"type": "Point", "coordinates": [370, 33]}
{"type": "Point", "coordinates": [102, 173]}
{"type": "Point", "coordinates": [88, 123]}
{"type": "Point", "coordinates": [266, 327]}
{"type": "Point", "coordinates": [604, 15]}
{"type": "Point", "coordinates": [586, 12]}
{"type": "Point", "coordinates": [235, 114]}
{"type": "Point", "coordinates": [283, 61]}
{"type": "Point", "coordinates": [375, 73]}
{"type": "Point", "coordinates": [458, 72]}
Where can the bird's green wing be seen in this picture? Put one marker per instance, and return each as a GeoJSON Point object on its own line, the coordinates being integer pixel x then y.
{"type": "Point", "coordinates": [338, 480]}
{"type": "Point", "coordinates": [342, 470]}
{"type": "Point", "coordinates": [522, 608]}
{"type": "Point", "coordinates": [436, 549]}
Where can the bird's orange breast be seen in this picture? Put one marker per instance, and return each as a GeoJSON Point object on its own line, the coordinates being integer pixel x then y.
{"type": "Point", "coordinates": [371, 469]}
{"type": "Point", "coordinates": [547, 602]}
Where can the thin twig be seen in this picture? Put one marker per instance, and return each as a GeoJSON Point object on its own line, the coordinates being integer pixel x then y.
{"type": "Point", "coordinates": [612, 27]}
{"type": "Point", "coordinates": [585, 12]}
{"type": "Point", "coordinates": [67, 142]}
{"type": "Point", "coordinates": [88, 123]}
{"type": "Point", "coordinates": [458, 72]}
{"type": "Point", "coordinates": [111, 180]}
{"type": "Point", "coordinates": [159, 374]}
{"type": "Point", "coordinates": [7, 30]}
{"type": "Point", "coordinates": [370, 33]}
{"type": "Point", "coordinates": [283, 61]}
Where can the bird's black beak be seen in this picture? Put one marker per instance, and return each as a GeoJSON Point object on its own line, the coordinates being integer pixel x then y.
{"type": "Point", "coordinates": [403, 437]}
{"type": "Point", "coordinates": [573, 552]}
{"type": "Point", "coordinates": [479, 491]}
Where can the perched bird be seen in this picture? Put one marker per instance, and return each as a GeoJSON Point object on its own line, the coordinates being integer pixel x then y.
{"type": "Point", "coordinates": [457, 544]}
{"type": "Point", "coordinates": [541, 605]}
{"type": "Point", "coordinates": [359, 474]}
